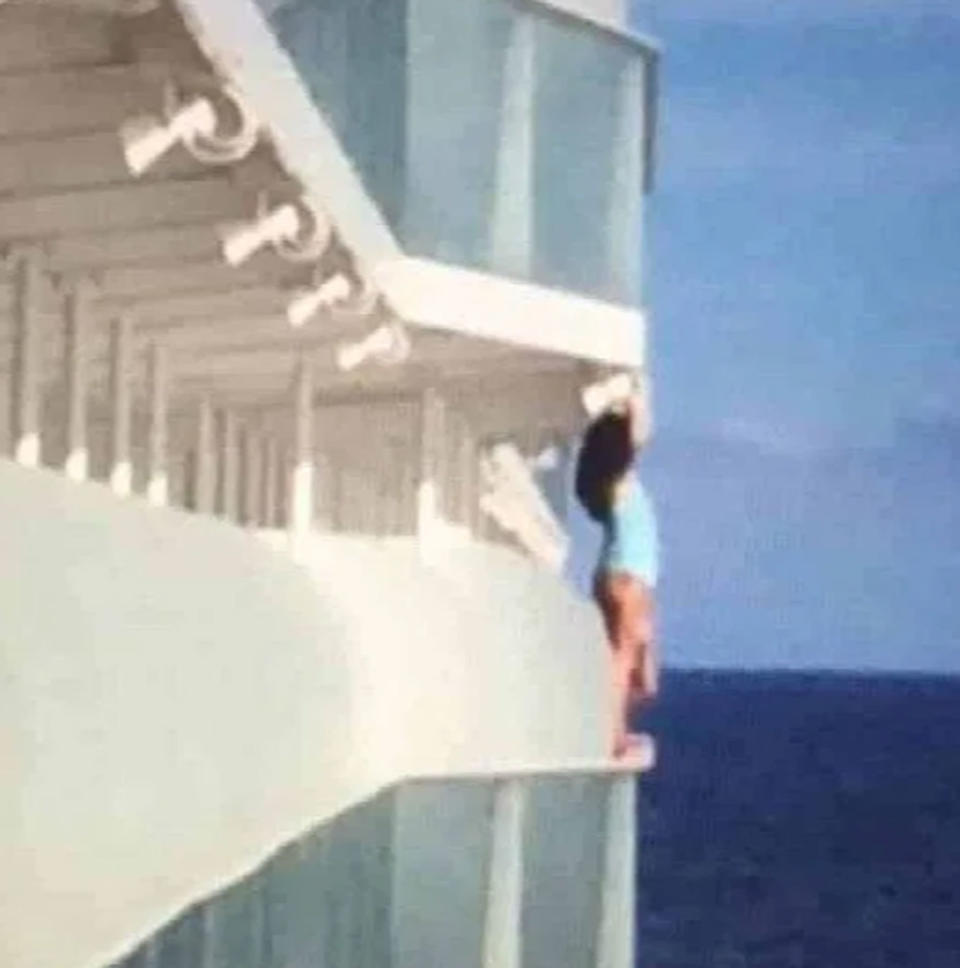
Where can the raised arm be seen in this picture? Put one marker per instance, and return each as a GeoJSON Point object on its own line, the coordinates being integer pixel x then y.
{"type": "Point", "coordinates": [638, 416]}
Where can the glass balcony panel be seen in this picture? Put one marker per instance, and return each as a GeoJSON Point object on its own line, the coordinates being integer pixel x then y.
{"type": "Point", "coordinates": [457, 59]}
{"type": "Point", "coordinates": [492, 134]}
{"type": "Point", "coordinates": [352, 57]}
{"type": "Point", "coordinates": [578, 77]}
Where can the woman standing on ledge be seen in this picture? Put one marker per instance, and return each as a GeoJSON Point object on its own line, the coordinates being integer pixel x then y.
{"type": "Point", "coordinates": [609, 487]}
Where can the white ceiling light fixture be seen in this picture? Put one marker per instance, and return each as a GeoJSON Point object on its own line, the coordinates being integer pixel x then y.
{"type": "Point", "coordinates": [146, 139]}
{"type": "Point", "coordinates": [388, 345]}
{"type": "Point", "coordinates": [240, 240]}
{"type": "Point", "coordinates": [308, 302]}
{"type": "Point", "coordinates": [294, 230]}
{"type": "Point", "coordinates": [339, 293]}
{"type": "Point", "coordinates": [193, 123]}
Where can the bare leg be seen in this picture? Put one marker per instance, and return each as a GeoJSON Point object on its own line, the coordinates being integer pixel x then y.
{"type": "Point", "coordinates": [622, 673]}
{"type": "Point", "coordinates": [627, 608]}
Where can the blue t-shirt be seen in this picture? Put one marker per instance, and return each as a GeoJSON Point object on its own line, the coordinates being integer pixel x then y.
{"type": "Point", "coordinates": [630, 540]}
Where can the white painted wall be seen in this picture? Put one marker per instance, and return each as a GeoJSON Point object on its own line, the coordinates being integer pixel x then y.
{"type": "Point", "coordinates": [176, 698]}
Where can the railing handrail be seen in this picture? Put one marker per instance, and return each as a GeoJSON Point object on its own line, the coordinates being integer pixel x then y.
{"type": "Point", "coordinates": [627, 36]}
{"type": "Point", "coordinates": [608, 768]}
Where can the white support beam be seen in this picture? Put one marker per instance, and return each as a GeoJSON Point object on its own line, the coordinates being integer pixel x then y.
{"type": "Point", "coordinates": [157, 431]}
{"type": "Point", "coordinates": [615, 937]}
{"type": "Point", "coordinates": [431, 469]}
{"type": "Point", "coordinates": [511, 240]}
{"type": "Point", "coordinates": [382, 522]}
{"type": "Point", "coordinates": [77, 323]}
{"type": "Point", "coordinates": [450, 464]}
{"type": "Point", "coordinates": [204, 467]}
{"type": "Point", "coordinates": [503, 919]}
{"type": "Point", "coordinates": [121, 464]}
{"type": "Point", "coordinates": [391, 488]}
{"type": "Point", "coordinates": [25, 383]}
{"type": "Point", "coordinates": [284, 459]}
{"type": "Point", "coordinates": [407, 482]}
{"type": "Point", "coordinates": [252, 484]}
{"type": "Point", "coordinates": [323, 489]}
{"type": "Point", "coordinates": [370, 505]}
{"type": "Point", "coordinates": [269, 514]}
{"type": "Point", "coordinates": [300, 502]}
{"type": "Point", "coordinates": [228, 464]}
{"type": "Point", "coordinates": [352, 497]}
{"type": "Point", "coordinates": [468, 471]}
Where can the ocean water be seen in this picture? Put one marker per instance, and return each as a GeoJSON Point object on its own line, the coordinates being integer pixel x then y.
{"type": "Point", "coordinates": [801, 820]}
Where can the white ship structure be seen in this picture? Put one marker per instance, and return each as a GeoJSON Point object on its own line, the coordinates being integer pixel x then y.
{"type": "Point", "coordinates": [297, 297]}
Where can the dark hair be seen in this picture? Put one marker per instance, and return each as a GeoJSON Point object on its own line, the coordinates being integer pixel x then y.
{"type": "Point", "coordinates": [606, 452]}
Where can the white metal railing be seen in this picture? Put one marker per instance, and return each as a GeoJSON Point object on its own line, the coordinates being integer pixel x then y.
{"type": "Point", "coordinates": [480, 902]}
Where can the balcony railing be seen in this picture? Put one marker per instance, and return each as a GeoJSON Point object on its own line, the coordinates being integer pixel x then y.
{"type": "Point", "coordinates": [494, 134]}
{"type": "Point", "coordinates": [525, 870]}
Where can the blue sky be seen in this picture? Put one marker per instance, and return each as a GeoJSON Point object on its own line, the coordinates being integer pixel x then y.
{"type": "Point", "coordinates": [806, 227]}
{"type": "Point", "coordinates": [804, 261]}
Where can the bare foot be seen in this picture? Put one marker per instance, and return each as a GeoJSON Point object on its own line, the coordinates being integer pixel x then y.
{"type": "Point", "coordinates": [638, 748]}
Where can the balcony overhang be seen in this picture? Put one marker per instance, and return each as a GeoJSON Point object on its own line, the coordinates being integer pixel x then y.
{"type": "Point", "coordinates": [480, 304]}
{"type": "Point", "coordinates": [146, 250]}
{"type": "Point", "coordinates": [423, 292]}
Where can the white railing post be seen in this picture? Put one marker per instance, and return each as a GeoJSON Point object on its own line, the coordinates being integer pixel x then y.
{"type": "Point", "coordinates": [252, 477]}
{"type": "Point", "coordinates": [504, 903]}
{"type": "Point", "coordinates": [228, 466]}
{"type": "Point", "coordinates": [121, 466]}
{"type": "Point", "coordinates": [25, 384]}
{"type": "Point", "coordinates": [76, 463]}
{"type": "Point", "coordinates": [615, 939]}
{"type": "Point", "coordinates": [467, 473]}
{"type": "Point", "coordinates": [204, 476]}
{"type": "Point", "coordinates": [300, 500]}
{"type": "Point", "coordinates": [323, 491]}
{"type": "Point", "coordinates": [271, 473]}
{"type": "Point", "coordinates": [431, 470]}
{"type": "Point", "coordinates": [158, 475]}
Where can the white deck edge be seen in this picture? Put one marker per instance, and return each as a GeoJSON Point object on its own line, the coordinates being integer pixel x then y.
{"type": "Point", "coordinates": [610, 768]}
{"type": "Point", "coordinates": [480, 304]}
{"type": "Point", "coordinates": [634, 766]}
